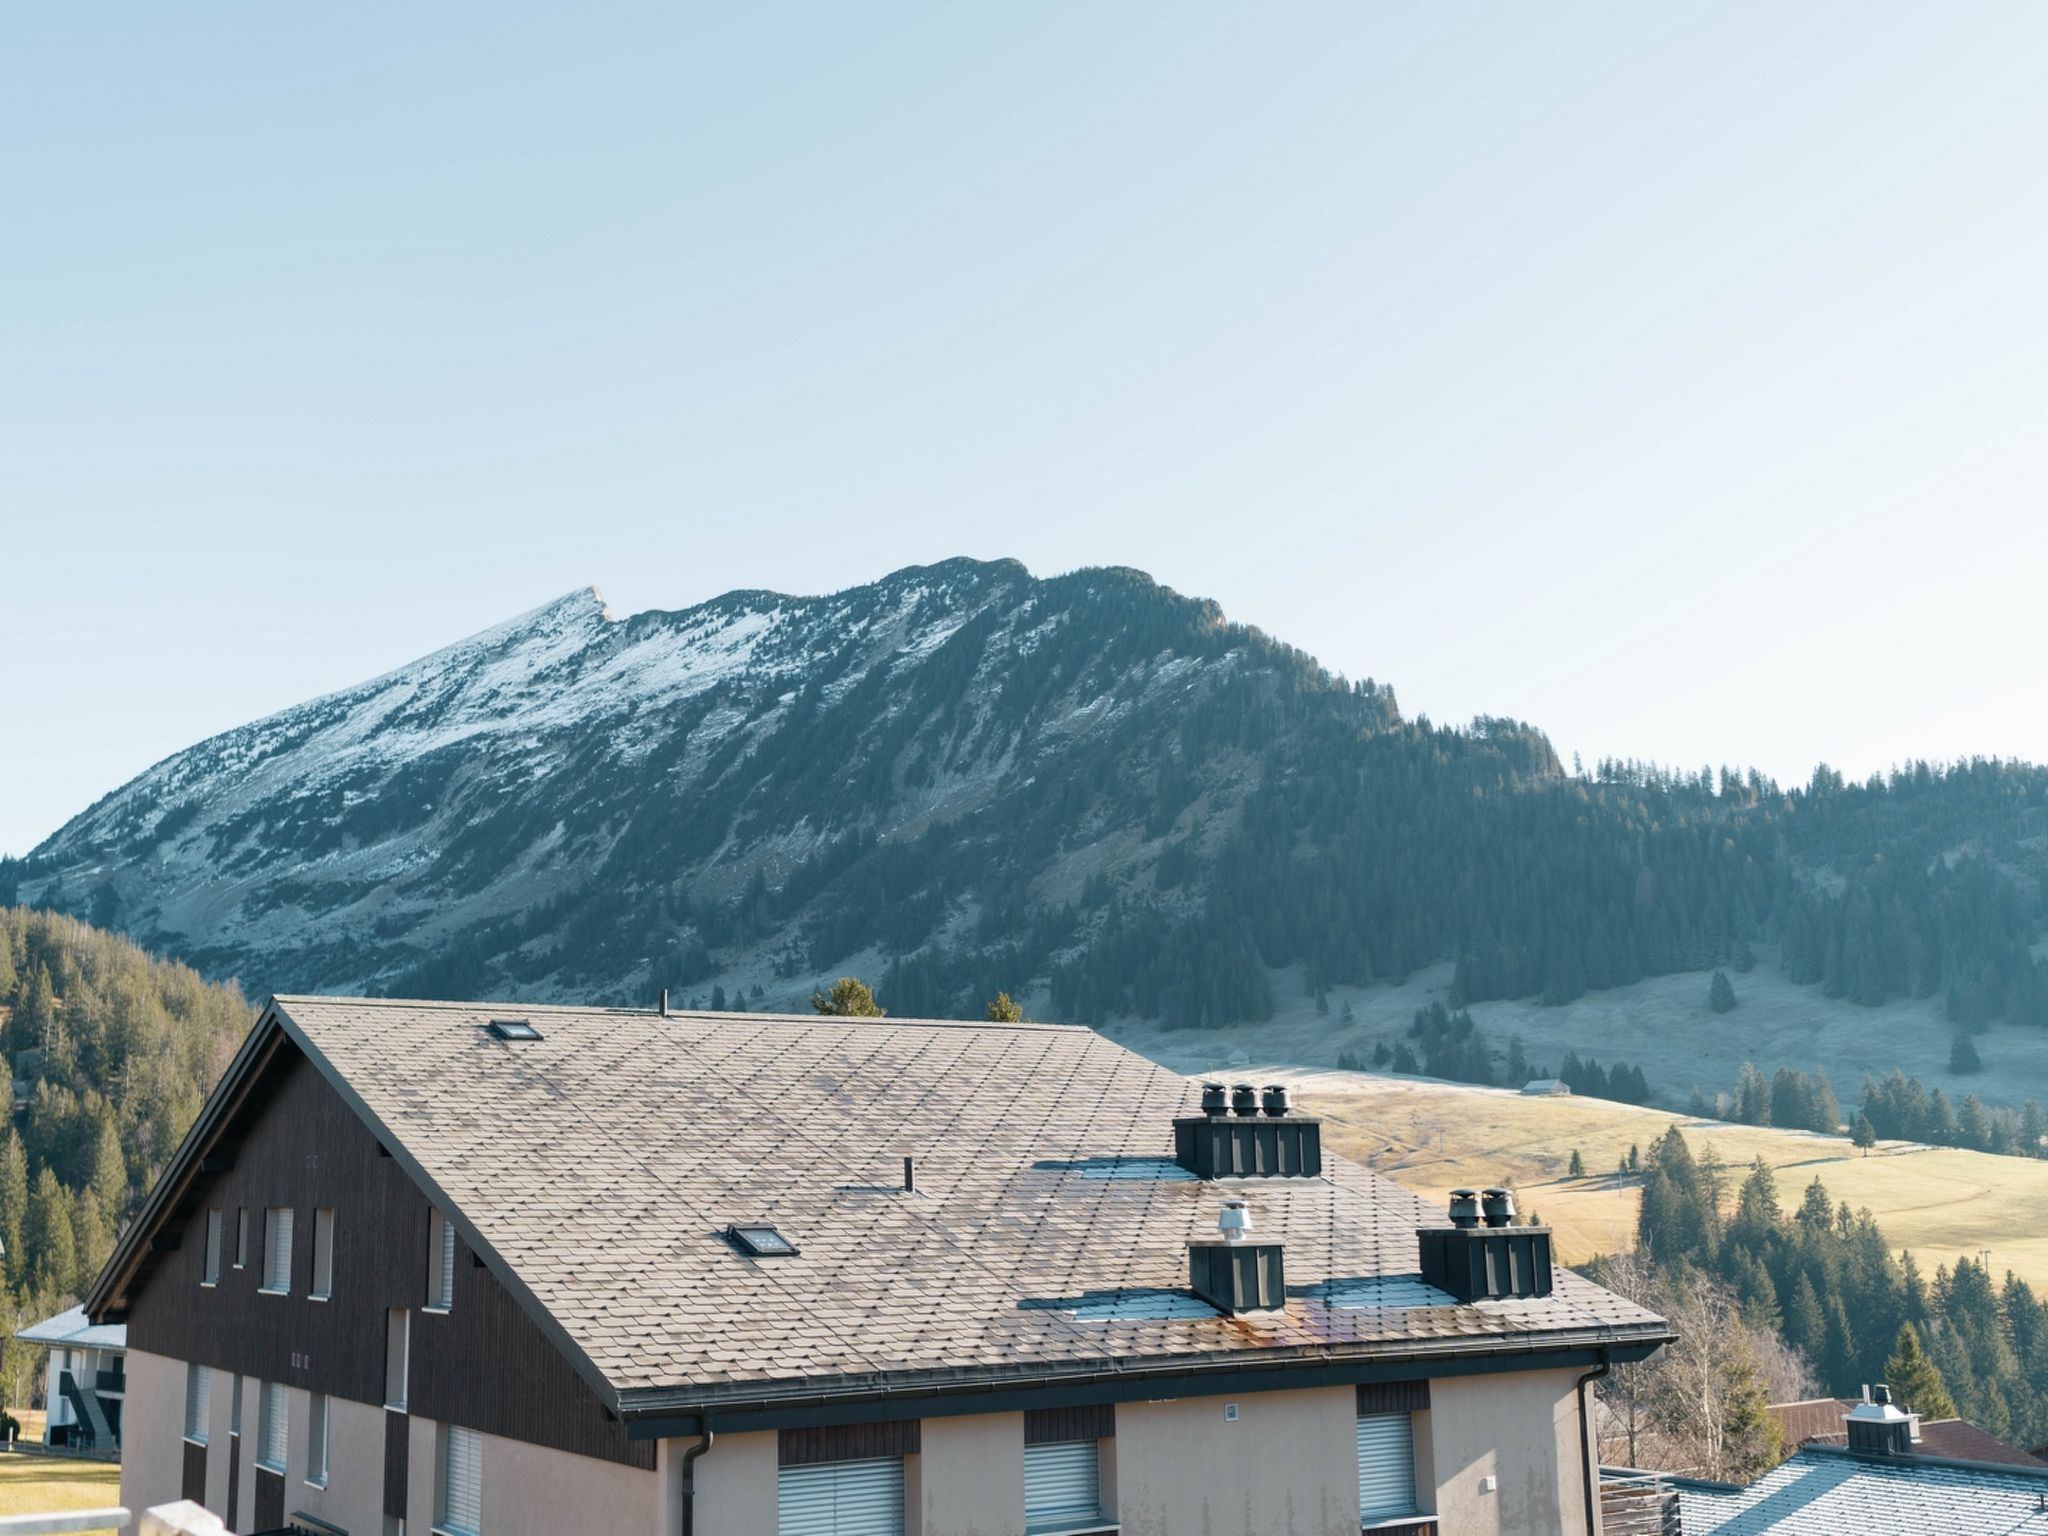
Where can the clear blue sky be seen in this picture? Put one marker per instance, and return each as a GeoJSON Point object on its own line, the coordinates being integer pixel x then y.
{"type": "Point", "coordinates": [1672, 376]}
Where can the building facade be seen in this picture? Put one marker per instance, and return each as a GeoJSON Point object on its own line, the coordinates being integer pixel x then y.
{"type": "Point", "coordinates": [86, 1386]}
{"type": "Point", "coordinates": [486, 1270]}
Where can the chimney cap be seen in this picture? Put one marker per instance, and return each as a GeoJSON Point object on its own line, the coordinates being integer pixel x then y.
{"type": "Point", "coordinates": [1235, 1220]}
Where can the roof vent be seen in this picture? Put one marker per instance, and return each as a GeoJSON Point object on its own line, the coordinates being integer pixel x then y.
{"type": "Point", "coordinates": [1278, 1144]}
{"type": "Point", "coordinates": [513, 1029]}
{"type": "Point", "coordinates": [1880, 1427]}
{"type": "Point", "coordinates": [1489, 1263]}
{"type": "Point", "coordinates": [1234, 1274]}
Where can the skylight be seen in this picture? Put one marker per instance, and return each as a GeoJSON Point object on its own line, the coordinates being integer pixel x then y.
{"type": "Point", "coordinates": [513, 1029]}
{"type": "Point", "coordinates": [762, 1241]}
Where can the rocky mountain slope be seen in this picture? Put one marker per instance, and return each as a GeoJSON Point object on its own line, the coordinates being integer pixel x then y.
{"type": "Point", "coordinates": [962, 778]}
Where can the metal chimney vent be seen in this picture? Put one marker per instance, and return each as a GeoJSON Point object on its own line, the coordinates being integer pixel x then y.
{"type": "Point", "coordinates": [1490, 1262]}
{"type": "Point", "coordinates": [1880, 1427]}
{"type": "Point", "coordinates": [1233, 1139]}
{"type": "Point", "coordinates": [1233, 1273]}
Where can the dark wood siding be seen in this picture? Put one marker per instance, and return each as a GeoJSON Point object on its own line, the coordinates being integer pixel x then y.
{"type": "Point", "coordinates": [1058, 1426]}
{"type": "Point", "coordinates": [397, 1448]}
{"type": "Point", "coordinates": [234, 1480]}
{"type": "Point", "coordinates": [847, 1442]}
{"type": "Point", "coordinates": [485, 1364]}
{"type": "Point", "coordinates": [1393, 1396]}
{"type": "Point", "coordinates": [194, 1487]}
{"type": "Point", "coordinates": [269, 1500]}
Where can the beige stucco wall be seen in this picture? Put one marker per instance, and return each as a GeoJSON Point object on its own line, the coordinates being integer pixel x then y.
{"type": "Point", "coordinates": [219, 1417]}
{"type": "Point", "coordinates": [534, 1488]}
{"type": "Point", "coordinates": [968, 1478]}
{"type": "Point", "coordinates": [354, 1496]}
{"type": "Point", "coordinates": [419, 1475]}
{"type": "Point", "coordinates": [735, 1485]}
{"type": "Point", "coordinates": [153, 1431]}
{"type": "Point", "coordinates": [1521, 1427]}
{"type": "Point", "coordinates": [1288, 1465]}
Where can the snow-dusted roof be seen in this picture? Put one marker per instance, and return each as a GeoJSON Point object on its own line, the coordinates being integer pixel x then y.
{"type": "Point", "coordinates": [74, 1329]}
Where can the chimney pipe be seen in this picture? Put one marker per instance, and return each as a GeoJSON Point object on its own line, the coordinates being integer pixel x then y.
{"type": "Point", "coordinates": [664, 1002]}
{"type": "Point", "coordinates": [1275, 1099]}
{"type": "Point", "coordinates": [1499, 1205]}
{"type": "Point", "coordinates": [1215, 1099]}
{"type": "Point", "coordinates": [909, 1176]}
{"type": "Point", "coordinates": [1464, 1208]}
{"type": "Point", "coordinates": [1244, 1099]}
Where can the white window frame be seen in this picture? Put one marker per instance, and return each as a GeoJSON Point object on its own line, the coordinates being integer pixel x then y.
{"type": "Point", "coordinates": [278, 1222]}
{"type": "Point", "coordinates": [398, 1346]}
{"type": "Point", "coordinates": [323, 1253]}
{"type": "Point", "coordinates": [273, 1426]}
{"type": "Point", "coordinates": [241, 1237]}
{"type": "Point", "coordinates": [316, 1440]}
{"type": "Point", "coordinates": [198, 1401]}
{"type": "Point", "coordinates": [235, 1407]}
{"type": "Point", "coordinates": [1404, 1424]}
{"type": "Point", "coordinates": [210, 1270]}
{"type": "Point", "coordinates": [440, 1263]}
{"type": "Point", "coordinates": [445, 1521]}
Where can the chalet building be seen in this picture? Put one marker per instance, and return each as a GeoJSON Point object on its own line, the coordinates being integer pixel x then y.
{"type": "Point", "coordinates": [87, 1380]}
{"type": "Point", "coordinates": [487, 1270]}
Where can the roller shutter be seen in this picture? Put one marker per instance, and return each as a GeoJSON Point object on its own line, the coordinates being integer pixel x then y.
{"type": "Point", "coordinates": [1386, 1466]}
{"type": "Point", "coordinates": [1061, 1488]}
{"type": "Point", "coordinates": [842, 1498]}
{"type": "Point", "coordinates": [462, 1481]}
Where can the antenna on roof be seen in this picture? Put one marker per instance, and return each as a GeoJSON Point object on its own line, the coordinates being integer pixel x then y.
{"type": "Point", "coordinates": [664, 1002]}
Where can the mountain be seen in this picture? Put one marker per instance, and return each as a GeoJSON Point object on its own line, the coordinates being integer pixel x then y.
{"type": "Point", "coordinates": [963, 778]}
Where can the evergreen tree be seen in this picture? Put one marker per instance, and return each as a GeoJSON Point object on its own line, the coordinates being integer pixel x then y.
{"type": "Point", "coordinates": [850, 997]}
{"type": "Point", "coordinates": [14, 1205]}
{"type": "Point", "coordinates": [92, 1239]}
{"type": "Point", "coordinates": [1963, 1057]}
{"type": "Point", "coordinates": [1576, 1169]}
{"type": "Point", "coordinates": [109, 1168]}
{"type": "Point", "coordinates": [1001, 1010]}
{"type": "Point", "coordinates": [1805, 1326]}
{"type": "Point", "coordinates": [1863, 1134]}
{"type": "Point", "coordinates": [49, 1237]}
{"type": "Point", "coordinates": [1721, 993]}
{"type": "Point", "coordinates": [1914, 1379]}
{"type": "Point", "coordinates": [718, 998]}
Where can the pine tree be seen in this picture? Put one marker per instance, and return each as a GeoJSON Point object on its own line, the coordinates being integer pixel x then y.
{"type": "Point", "coordinates": [1002, 1010]}
{"type": "Point", "coordinates": [1963, 1057]}
{"type": "Point", "coordinates": [1915, 1380]}
{"type": "Point", "coordinates": [1576, 1169]}
{"type": "Point", "coordinates": [1863, 1134]}
{"type": "Point", "coordinates": [14, 1205]}
{"type": "Point", "coordinates": [1805, 1325]}
{"type": "Point", "coordinates": [92, 1239]}
{"type": "Point", "coordinates": [49, 1240]}
{"type": "Point", "coordinates": [1721, 993]}
{"type": "Point", "coordinates": [109, 1169]}
{"type": "Point", "coordinates": [718, 998]}
{"type": "Point", "coordinates": [850, 997]}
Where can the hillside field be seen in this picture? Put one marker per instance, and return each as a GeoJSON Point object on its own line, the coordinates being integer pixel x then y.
{"type": "Point", "coordinates": [1432, 1137]}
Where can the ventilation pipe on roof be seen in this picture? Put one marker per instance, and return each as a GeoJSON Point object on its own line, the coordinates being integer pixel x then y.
{"type": "Point", "coordinates": [909, 1175]}
{"type": "Point", "coordinates": [1233, 1273]}
{"type": "Point", "coordinates": [1880, 1427]}
{"type": "Point", "coordinates": [1215, 1099]}
{"type": "Point", "coordinates": [664, 1002]}
{"type": "Point", "coordinates": [1488, 1263]}
{"type": "Point", "coordinates": [1244, 1099]}
{"type": "Point", "coordinates": [1275, 1099]}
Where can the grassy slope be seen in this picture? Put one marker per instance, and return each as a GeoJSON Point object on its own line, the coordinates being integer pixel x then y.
{"type": "Point", "coordinates": [1662, 1025]}
{"type": "Point", "coordinates": [47, 1484]}
{"type": "Point", "coordinates": [1431, 1137]}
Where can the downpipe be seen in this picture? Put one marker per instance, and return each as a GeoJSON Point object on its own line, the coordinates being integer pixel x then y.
{"type": "Point", "coordinates": [690, 1481]}
{"type": "Point", "coordinates": [1585, 1448]}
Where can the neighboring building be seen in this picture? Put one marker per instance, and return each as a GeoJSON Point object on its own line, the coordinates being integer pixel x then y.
{"type": "Point", "coordinates": [1547, 1088]}
{"type": "Point", "coordinates": [88, 1379]}
{"type": "Point", "coordinates": [1877, 1481]}
{"type": "Point", "coordinates": [489, 1269]}
{"type": "Point", "coordinates": [1823, 1421]}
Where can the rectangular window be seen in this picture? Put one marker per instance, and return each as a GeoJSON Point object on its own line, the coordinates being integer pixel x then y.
{"type": "Point", "coordinates": [323, 1253]}
{"type": "Point", "coordinates": [460, 1502]}
{"type": "Point", "coordinates": [316, 1441]}
{"type": "Point", "coordinates": [1386, 1467]}
{"type": "Point", "coordinates": [241, 1237]}
{"type": "Point", "coordinates": [273, 1428]}
{"type": "Point", "coordinates": [212, 1249]}
{"type": "Point", "coordinates": [833, 1496]}
{"type": "Point", "coordinates": [440, 1262]}
{"type": "Point", "coordinates": [277, 1249]}
{"type": "Point", "coordinates": [1062, 1486]}
{"type": "Point", "coordinates": [397, 1350]}
{"type": "Point", "coordinates": [235, 1406]}
{"type": "Point", "coordinates": [198, 1401]}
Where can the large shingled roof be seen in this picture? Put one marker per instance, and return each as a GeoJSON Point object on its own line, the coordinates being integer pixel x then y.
{"type": "Point", "coordinates": [596, 1169]}
{"type": "Point", "coordinates": [1829, 1491]}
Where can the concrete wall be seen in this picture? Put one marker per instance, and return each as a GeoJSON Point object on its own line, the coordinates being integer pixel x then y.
{"type": "Point", "coordinates": [1521, 1428]}
{"type": "Point", "coordinates": [968, 1479]}
{"type": "Point", "coordinates": [735, 1484]}
{"type": "Point", "coordinates": [153, 1442]}
{"type": "Point", "coordinates": [1286, 1466]}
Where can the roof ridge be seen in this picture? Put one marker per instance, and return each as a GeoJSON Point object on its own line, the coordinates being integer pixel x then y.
{"type": "Point", "coordinates": [880, 1021]}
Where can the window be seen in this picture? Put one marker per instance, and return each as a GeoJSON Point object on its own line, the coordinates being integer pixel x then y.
{"type": "Point", "coordinates": [277, 1249]}
{"type": "Point", "coordinates": [235, 1406]}
{"type": "Point", "coordinates": [397, 1348]}
{"type": "Point", "coordinates": [513, 1029]}
{"type": "Point", "coordinates": [241, 1237]}
{"type": "Point", "coordinates": [323, 1253]}
{"type": "Point", "coordinates": [1386, 1466]}
{"type": "Point", "coordinates": [212, 1276]}
{"type": "Point", "coordinates": [459, 1502]}
{"type": "Point", "coordinates": [316, 1441]}
{"type": "Point", "coordinates": [1062, 1486]}
{"type": "Point", "coordinates": [273, 1427]}
{"type": "Point", "coordinates": [440, 1262]}
{"type": "Point", "coordinates": [198, 1401]}
{"type": "Point", "coordinates": [841, 1498]}
{"type": "Point", "coordinates": [761, 1240]}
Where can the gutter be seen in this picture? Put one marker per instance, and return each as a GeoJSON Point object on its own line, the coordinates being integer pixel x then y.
{"type": "Point", "coordinates": [690, 1480]}
{"type": "Point", "coordinates": [1586, 1445]}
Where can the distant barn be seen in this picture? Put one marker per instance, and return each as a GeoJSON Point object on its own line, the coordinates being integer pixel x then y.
{"type": "Point", "coordinates": [1546, 1087]}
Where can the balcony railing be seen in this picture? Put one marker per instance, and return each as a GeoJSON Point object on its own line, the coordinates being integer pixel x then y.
{"type": "Point", "coordinates": [1638, 1504]}
{"type": "Point", "coordinates": [110, 1382]}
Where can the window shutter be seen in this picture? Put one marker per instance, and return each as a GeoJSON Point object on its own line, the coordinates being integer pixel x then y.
{"type": "Point", "coordinates": [1386, 1466]}
{"type": "Point", "coordinates": [277, 1249]}
{"type": "Point", "coordinates": [276, 1427]}
{"type": "Point", "coordinates": [462, 1481]}
{"type": "Point", "coordinates": [198, 1400]}
{"type": "Point", "coordinates": [841, 1498]}
{"type": "Point", "coordinates": [1061, 1486]}
{"type": "Point", "coordinates": [212, 1247]}
{"type": "Point", "coordinates": [444, 1274]}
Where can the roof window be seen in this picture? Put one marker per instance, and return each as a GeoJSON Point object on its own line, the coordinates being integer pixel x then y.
{"type": "Point", "coordinates": [762, 1241]}
{"type": "Point", "coordinates": [513, 1029]}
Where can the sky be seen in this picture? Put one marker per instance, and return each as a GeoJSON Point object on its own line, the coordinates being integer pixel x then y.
{"type": "Point", "coordinates": [1671, 377]}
